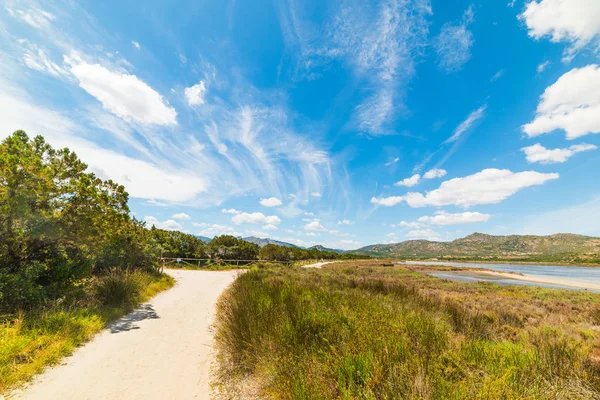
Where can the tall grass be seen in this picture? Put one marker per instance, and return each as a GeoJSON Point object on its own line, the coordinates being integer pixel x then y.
{"type": "Point", "coordinates": [31, 340]}
{"type": "Point", "coordinates": [389, 333]}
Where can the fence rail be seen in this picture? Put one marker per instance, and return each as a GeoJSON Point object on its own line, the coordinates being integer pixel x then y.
{"type": "Point", "coordinates": [199, 262]}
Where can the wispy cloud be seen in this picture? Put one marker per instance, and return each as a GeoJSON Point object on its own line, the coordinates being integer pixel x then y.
{"type": "Point", "coordinates": [467, 124]}
{"type": "Point", "coordinates": [454, 42]}
{"type": "Point", "coordinates": [497, 76]}
{"type": "Point", "coordinates": [380, 42]}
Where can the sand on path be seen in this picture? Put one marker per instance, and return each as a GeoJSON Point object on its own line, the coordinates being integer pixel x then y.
{"type": "Point", "coordinates": [317, 265]}
{"type": "Point", "coordinates": [162, 350]}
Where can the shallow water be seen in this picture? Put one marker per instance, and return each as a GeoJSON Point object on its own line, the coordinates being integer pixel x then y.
{"type": "Point", "coordinates": [567, 274]}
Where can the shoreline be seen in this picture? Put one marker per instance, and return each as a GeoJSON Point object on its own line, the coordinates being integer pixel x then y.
{"type": "Point", "coordinates": [551, 281]}
{"type": "Point", "coordinates": [534, 263]}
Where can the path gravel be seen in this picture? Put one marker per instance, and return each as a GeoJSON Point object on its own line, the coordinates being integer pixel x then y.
{"type": "Point", "coordinates": [160, 351]}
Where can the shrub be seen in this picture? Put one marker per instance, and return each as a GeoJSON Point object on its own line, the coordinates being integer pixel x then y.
{"type": "Point", "coordinates": [119, 288]}
{"type": "Point", "coordinates": [19, 289]}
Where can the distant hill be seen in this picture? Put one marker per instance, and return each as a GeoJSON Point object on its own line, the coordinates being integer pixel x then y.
{"type": "Point", "coordinates": [478, 246]}
{"type": "Point", "coordinates": [204, 238]}
{"type": "Point", "coordinates": [323, 248]}
{"type": "Point", "coordinates": [266, 241]}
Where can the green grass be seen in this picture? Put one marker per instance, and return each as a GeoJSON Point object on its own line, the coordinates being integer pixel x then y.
{"type": "Point", "coordinates": [358, 330]}
{"type": "Point", "coordinates": [30, 341]}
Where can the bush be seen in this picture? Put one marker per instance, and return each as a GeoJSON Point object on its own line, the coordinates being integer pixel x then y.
{"type": "Point", "coordinates": [19, 289]}
{"type": "Point", "coordinates": [119, 288]}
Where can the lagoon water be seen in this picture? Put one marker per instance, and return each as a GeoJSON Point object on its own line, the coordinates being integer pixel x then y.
{"type": "Point", "coordinates": [567, 274]}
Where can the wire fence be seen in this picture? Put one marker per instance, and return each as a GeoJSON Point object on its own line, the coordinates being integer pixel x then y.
{"type": "Point", "coordinates": [206, 262]}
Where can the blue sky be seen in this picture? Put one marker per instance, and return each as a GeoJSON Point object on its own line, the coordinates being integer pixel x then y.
{"type": "Point", "coordinates": [343, 123]}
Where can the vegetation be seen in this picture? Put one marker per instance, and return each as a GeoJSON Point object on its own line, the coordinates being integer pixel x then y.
{"type": "Point", "coordinates": [560, 248]}
{"type": "Point", "coordinates": [359, 330]}
{"type": "Point", "coordinates": [32, 339]}
{"type": "Point", "coordinates": [273, 252]}
{"type": "Point", "coordinates": [59, 224]}
{"type": "Point", "coordinates": [177, 244]}
{"type": "Point", "coordinates": [71, 256]}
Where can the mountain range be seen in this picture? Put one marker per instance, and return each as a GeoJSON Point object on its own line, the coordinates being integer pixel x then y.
{"type": "Point", "coordinates": [561, 247]}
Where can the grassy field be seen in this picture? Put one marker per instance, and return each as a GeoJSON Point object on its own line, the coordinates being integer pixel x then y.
{"type": "Point", "coordinates": [361, 330]}
{"type": "Point", "coordinates": [29, 341]}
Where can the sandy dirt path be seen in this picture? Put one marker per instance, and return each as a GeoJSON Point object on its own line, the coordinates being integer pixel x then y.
{"type": "Point", "coordinates": [160, 351]}
{"type": "Point", "coordinates": [317, 265]}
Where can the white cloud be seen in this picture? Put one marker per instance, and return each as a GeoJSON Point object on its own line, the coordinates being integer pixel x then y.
{"type": "Point", "coordinates": [427, 234]}
{"type": "Point", "coordinates": [136, 44]}
{"type": "Point", "coordinates": [576, 22]}
{"type": "Point", "coordinates": [153, 202]}
{"type": "Point", "coordinates": [123, 95]}
{"type": "Point", "coordinates": [345, 222]}
{"type": "Point", "coordinates": [444, 218]}
{"type": "Point", "coordinates": [489, 186]}
{"type": "Point", "coordinates": [511, 3]}
{"type": "Point", "coordinates": [387, 201]}
{"type": "Point", "coordinates": [409, 182]}
{"type": "Point", "coordinates": [230, 211]}
{"type": "Point", "coordinates": [315, 226]}
{"type": "Point", "coordinates": [467, 123]}
{"type": "Point", "coordinates": [572, 103]}
{"type": "Point", "coordinates": [538, 153]}
{"type": "Point", "coordinates": [35, 17]}
{"type": "Point", "coordinates": [414, 225]}
{"type": "Point", "coordinates": [311, 234]}
{"type": "Point", "coordinates": [394, 161]}
{"type": "Point", "coordinates": [497, 76]}
{"type": "Point", "coordinates": [181, 217]}
{"type": "Point", "coordinates": [542, 67]}
{"type": "Point", "coordinates": [270, 202]}
{"type": "Point", "coordinates": [309, 214]}
{"type": "Point", "coordinates": [218, 230]}
{"type": "Point", "coordinates": [315, 194]}
{"type": "Point", "coordinates": [453, 44]}
{"type": "Point", "coordinates": [169, 225]}
{"type": "Point", "coordinates": [435, 173]}
{"type": "Point", "coordinates": [270, 227]}
{"type": "Point", "coordinates": [255, 218]}
{"type": "Point", "coordinates": [195, 94]}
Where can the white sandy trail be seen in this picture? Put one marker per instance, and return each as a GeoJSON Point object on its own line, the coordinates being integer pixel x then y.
{"type": "Point", "coordinates": [317, 265]}
{"type": "Point", "coordinates": [163, 350]}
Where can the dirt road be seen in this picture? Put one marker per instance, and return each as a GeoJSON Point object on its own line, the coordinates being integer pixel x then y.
{"type": "Point", "coordinates": [317, 265]}
{"type": "Point", "coordinates": [160, 351]}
